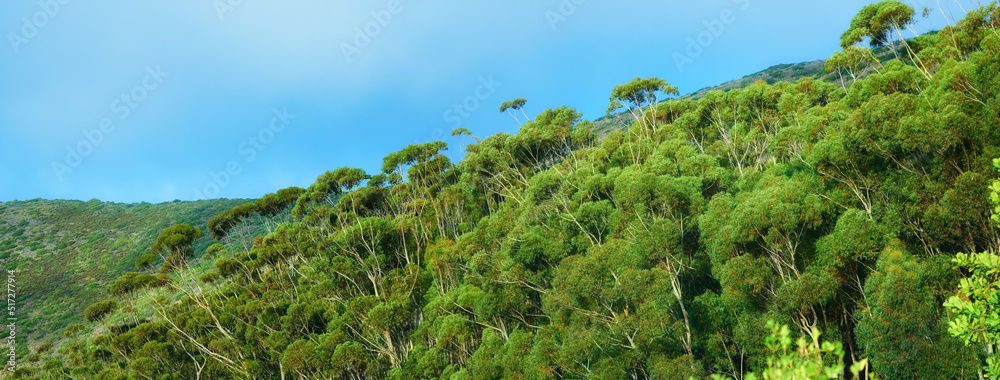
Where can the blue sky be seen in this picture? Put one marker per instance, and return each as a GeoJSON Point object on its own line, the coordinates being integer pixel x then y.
{"type": "Point", "coordinates": [131, 101]}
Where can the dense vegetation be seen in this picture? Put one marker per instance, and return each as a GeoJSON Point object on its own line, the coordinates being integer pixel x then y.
{"type": "Point", "coordinates": [64, 254]}
{"type": "Point", "coordinates": [678, 247]}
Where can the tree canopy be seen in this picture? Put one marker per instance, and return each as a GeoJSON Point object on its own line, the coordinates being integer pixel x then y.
{"type": "Point", "coordinates": [877, 22]}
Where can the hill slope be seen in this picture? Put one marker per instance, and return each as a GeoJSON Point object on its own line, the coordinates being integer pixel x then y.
{"type": "Point", "coordinates": [667, 251]}
{"type": "Point", "coordinates": [65, 253]}
{"type": "Point", "coordinates": [785, 72]}
{"type": "Point", "coordinates": [774, 74]}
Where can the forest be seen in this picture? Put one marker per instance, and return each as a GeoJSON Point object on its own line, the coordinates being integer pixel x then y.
{"type": "Point", "coordinates": [818, 229]}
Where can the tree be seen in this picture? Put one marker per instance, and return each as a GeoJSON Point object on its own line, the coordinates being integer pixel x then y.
{"type": "Point", "coordinates": [516, 104]}
{"type": "Point", "coordinates": [636, 96]}
{"type": "Point", "coordinates": [639, 94]}
{"type": "Point", "coordinates": [877, 22]}
{"type": "Point", "coordinates": [900, 328]}
{"type": "Point", "coordinates": [330, 183]}
{"type": "Point", "coordinates": [853, 60]}
{"type": "Point", "coordinates": [175, 245]}
{"type": "Point", "coordinates": [460, 132]}
{"type": "Point", "coordinates": [145, 261]}
{"type": "Point", "coordinates": [220, 226]}
{"type": "Point", "coordinates": [274, 203]}
{"type": "Point", "coordinates": [544, 139]}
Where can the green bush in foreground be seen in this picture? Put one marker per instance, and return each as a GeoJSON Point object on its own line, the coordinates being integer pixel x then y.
{"type": "Point", "coordinates": [975, 304]}
{"type": "Point", "coordinates": [808, 359]}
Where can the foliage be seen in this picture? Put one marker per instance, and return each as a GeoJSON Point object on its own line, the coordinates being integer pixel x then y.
{"type": "Point", "coordinates": [808, 359]}
{"type": "Point", "coordinates": [976, 315]}
{"type": "Point", "coordinates": [639, 93]}
{"type": "Point", "coordinates": [660, 251]}
{"type": "Point", "coordinates": [82, 247]}
{"type": "Point", "coordinates": [995, 195]}
{"type": "Point", "coordinates": [515, 104]}
{"type": "Point", "coordinates": [175, 244]}
{"type": "Point", "coordinates": [976, 305]}
{"type": "Point", "coordinates": [877, 21]}
{"type": "Point", "coordinates": [901, 326]}
{"type": "Point", "coordinates": [99, 310]}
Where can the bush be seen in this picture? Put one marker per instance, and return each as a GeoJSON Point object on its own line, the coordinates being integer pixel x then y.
{"type": "Point", "coordinates": [98, 311]}
{"type": "Point", "coordinates": [145, 261]}
{"type": "Point", "coordinates": [804, 360]}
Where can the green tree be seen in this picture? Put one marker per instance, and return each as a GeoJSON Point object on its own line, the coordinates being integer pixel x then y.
{"type": "Point", "coordinates": [901, 328]}
{"type": "Point", "coordinates": [220, 226]}
{"type": "Point", "coordinates": [877, 22]}
{"type": "Point", "coordinates": [330, 184]}
{"type": "Point", "coordinates": [460, 132]}
{"type": "Point", "coordinates": [853, 60]}
{"type": "Point", "coordinates": [516, 104]}
{"type": "Point", "coordinates": [175, 245]}
{"type": "Point", "coordinates": [638, 94]}
{"type": "Point", "coordinates": [273, 204]}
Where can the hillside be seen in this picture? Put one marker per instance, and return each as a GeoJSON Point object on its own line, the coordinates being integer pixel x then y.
{"type": "Point", "coordinates": [786, 72]}
{"type": "Point", "coordinates": [778, 73]}
{"type": "Point", "coordinates": [65, 253]}
{"type": "Point", "coordinates": [701, 242]}
{"type": "Point", "coordinates": [771, 75]}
